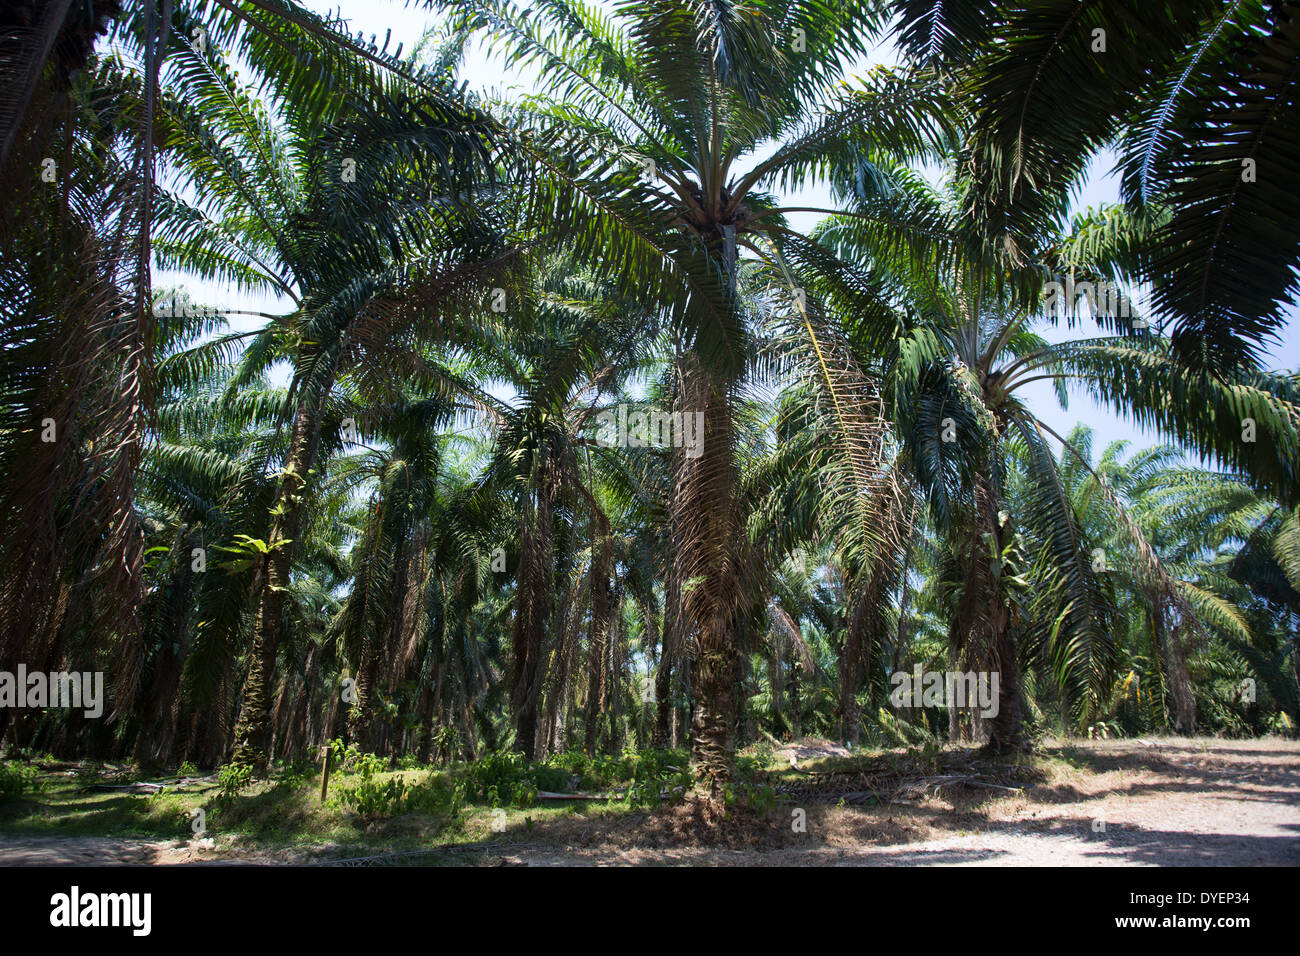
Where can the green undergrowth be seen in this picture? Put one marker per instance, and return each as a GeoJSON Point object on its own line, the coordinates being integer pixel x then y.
{"type": "Point", "coordinates": [376, 804]}
{"type": "Point", "coordinates": [371, 802]}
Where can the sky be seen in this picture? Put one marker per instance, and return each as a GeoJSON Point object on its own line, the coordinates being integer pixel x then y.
{"type": "Point", "coordinates": [486, 72]}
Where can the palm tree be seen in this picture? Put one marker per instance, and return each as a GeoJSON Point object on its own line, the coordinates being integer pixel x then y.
{"type": "Point", "coordinates": [1201, 525]}
{"type": "Point", "coordinates": [85, 128]}
{"type": "Point", "coordinates": [566, 346]}
{"type": "Point", "coordinates": [651, 167]}
{"type": "Point", "coordinates": [45, 47]}
{"type": "Point", "coordinates": [1199, 97]}
{"type": "Point", "coordinates": [1268, 564]}
{"type": "Point", "coordinates": [353, 216]}
{"type": "Point", "coordinates": [75, 376]}
{"type": "Point", "coordinates": [953, 380]}
{"type": "Point", "coordinates": [203, 482]}
{"type": "Point", "coordinates": [382, 623]}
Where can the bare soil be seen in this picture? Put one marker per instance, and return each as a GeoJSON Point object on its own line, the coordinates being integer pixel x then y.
{"type": "Point", "coordinates": [1158, 802]}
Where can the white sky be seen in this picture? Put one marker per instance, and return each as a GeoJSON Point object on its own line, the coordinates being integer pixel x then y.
{"type": "Point", "coordinates": [408, 24]}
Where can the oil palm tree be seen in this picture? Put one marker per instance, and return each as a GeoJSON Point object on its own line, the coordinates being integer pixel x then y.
{"type": "Point", "coordinates": [659, 132]}
{"type": "Point", "coordinates": [566, 347]}
{"type": "Point", "coordinates": [1200, 524]}
{"type": "Point", "coordinates": [82, 119]}
{"type": "Point", "coordinates": [75, 375]}
{"type": "Point", "coordinates": [355, 216]}
{"type": "Point", "coordinates": [1199, 98]}
{"type": "Point", "coordinates": [954, 375]}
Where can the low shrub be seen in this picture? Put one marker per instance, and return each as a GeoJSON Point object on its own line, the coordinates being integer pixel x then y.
{"type": "Point", "coordinates": [232, 778]}
{"type": "Point", "coordinates": [17, 780]}
{"type": "Point", "coordinates": [373, 798]}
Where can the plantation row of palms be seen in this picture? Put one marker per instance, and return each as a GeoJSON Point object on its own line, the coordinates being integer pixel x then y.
{"type": "Point", "coordinates": [388, 513]}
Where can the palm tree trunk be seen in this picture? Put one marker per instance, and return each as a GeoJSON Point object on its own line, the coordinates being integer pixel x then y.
{"type": "Point", "coordinates": [663, 703]}
{"type": "Point", "coordinates": [1180, 685]}
{"type": "Point", "coordinates": [600, 611]}
{"type": "Point", "coordinates": [531, 613]}
{"type": "Point", "coordinates": [714, 725]}
{"type": "Point", "coordinates": [1295, 667]}
{"type": "Point", "coordinates": [705, 528]}
{"type": "Point", "coordinates": [616, 645]}
{"type": "Point", "coordinates": [796, 701]}
{"type": "Point", "coordinates": [851, 672]}
{"type": "Point", "coordinates": [1006, 728]}
{"type": "Point", "coordinates": [1006, 731]}
{"type": "Point", "coordinates": [665, 734]}
{"type": "Point", "coordinates": [253, 732]}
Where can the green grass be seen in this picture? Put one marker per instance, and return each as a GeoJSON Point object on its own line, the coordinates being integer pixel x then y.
{"type": "Point", "coordinates": [372, 810]}
{"type": "Point", "coordinates": [459, 805]}
{"type": "Point", "coordinates": [59, 806]}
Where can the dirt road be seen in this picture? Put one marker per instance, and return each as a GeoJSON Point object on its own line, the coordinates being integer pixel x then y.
{"type": "Point", "coordinates": [1167, 802]}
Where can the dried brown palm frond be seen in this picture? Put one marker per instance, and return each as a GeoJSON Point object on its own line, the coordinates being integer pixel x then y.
{"type": "Point", "coordinates": [869, 600]}
{"type": "Point", "coordinates": [77, 374]}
